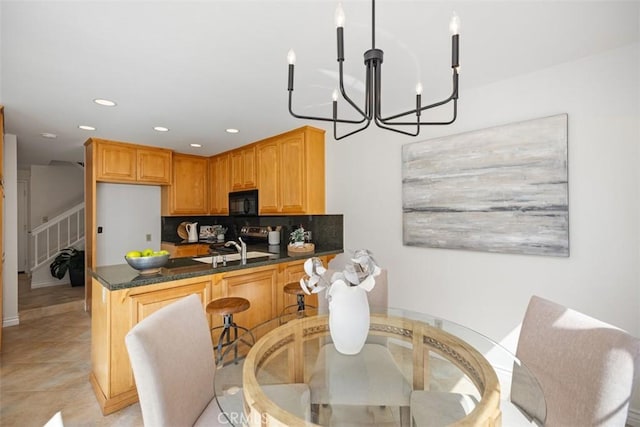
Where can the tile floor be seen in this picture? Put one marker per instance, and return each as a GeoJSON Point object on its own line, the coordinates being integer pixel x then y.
{"type": "Point", "coordinates": [46, 360]}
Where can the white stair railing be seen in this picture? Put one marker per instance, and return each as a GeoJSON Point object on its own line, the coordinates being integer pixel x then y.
{"type": "Point", "coordinates": [63, 231]}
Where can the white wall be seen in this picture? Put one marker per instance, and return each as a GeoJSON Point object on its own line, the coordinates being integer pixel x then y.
{"type": "Point", "coordinates": [489, 292]}
{"type": "Point", "coordinates": [10, 267]}
{"type": "Point", "coordinates": [127, 214]}
{"type": "Point", "coordinates": [52, 190]}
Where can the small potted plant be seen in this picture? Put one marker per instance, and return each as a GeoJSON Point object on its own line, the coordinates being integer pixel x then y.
{"type": "Point", "coordinates": [297, 237]}
{"type": "Point", "coordinates": [72, 260]}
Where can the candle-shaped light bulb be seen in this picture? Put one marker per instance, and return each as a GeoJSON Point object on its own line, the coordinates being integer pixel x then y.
{"type": "Point", "coordinates": [291, 57]}
{"type": "Point", "coordinates": [419, 88]}
{"type": "Point", "coordinates": [339, 16]}
{"type": "Point", "coordinates": [335, 95]}
{"type": "Point", "coordinates": [454, 24]}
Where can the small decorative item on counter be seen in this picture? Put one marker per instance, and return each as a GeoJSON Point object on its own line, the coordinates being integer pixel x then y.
{"type": "Point", "coordinates": [297, 245]}
{"type": "Point", "coordinates": [297, 236]}
{"type": "Point", "coordinates": [348, 303]}
{"type": "Point", "coordinates": [221, 232]}
{"type": "Point", "coordinates": [206, 232]}
{"type": "Point", "coordinates": [147, 261]}
{"type": "Point", "coordinates": [273, 236]}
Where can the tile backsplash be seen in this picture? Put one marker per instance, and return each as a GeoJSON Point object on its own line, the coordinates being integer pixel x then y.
{"type": "Point", "coordinates": [327, 230]}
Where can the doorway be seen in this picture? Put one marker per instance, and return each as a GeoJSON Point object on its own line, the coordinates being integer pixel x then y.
{"type": "Point", "coordinates": [23, 227]}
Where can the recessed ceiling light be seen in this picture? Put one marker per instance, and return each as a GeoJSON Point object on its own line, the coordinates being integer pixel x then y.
{"type": "Point", "coordinates": [48, 135]}
{"type": "Point", "coordinates": [232, 130]}
{"type": "Point", "coordinates": [85, 127]}
{"type": "Point", "coordinates": [161, 129]}
{"type": "Point", "coordinates": [104, 102]}
{"type": "Point", "coordinates": [196, 145]}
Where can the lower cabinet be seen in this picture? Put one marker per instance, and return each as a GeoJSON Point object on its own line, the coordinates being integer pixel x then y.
{"type": "Point", "coordinates": [115, 312]}
{"type": "Point", "coordinates": [259, 286]}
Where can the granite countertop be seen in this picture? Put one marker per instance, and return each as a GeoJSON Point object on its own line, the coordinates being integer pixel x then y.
{"type": "Point", "coordinates": [123, 276]}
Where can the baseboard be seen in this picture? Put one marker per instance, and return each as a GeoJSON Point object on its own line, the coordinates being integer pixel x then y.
{"type": "Point", "coordinates": [633, 418]}
{"type": "Point", "coordinates": [49, 284]}
{"type": "Point", "coordinates": [10, 321]}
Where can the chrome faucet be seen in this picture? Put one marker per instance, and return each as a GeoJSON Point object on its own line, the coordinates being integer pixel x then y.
{"type": "Point", "coordinates": [242, 249]}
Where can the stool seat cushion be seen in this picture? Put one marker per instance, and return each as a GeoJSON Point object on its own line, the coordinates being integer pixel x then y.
{"type": "Point", "coordinates": [293, 288]}
{"type": "Point", "coordinates": [229, 305]}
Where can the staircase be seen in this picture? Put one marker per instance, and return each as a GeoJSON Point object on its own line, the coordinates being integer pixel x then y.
{"type": "Point", "coordinates": [63, 231]}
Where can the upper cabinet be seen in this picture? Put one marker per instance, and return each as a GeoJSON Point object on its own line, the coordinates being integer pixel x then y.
{"type": "Point", "coordinates": [130, 163]}
{"type": "Point", "coordinates": [189, 189]}
{"type": "Point", "coordinates": [243, 168]}
{"type": "Point", "coordinates": [220, 183]}
{"type": "Point", "coordinates": [291, 176]}
{"type": "Point", "coordinates": [154, 166]}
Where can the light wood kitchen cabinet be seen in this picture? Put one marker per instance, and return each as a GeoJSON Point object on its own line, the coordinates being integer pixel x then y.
{"type": "Point", "coordinates": [129, 163]}
{"type": "Point", "coordinates": [268, 177]}
{"type": "Point", "coordinates": [189, 189]}
{"type": "Point", "coordinates": [258, 285]}
{"type": "Point", "coordinates": [181, 251]}
{"type": "Point", "coordinates": [114, 313]}
{"type": "Point", "coordinates": [291, 177]}
{"type": "Point", "coordinates": [220, 182]}
{"type": "Point", "coordinates": [243, 168]}
{"type": "Point", "coordinates": [154, 166]}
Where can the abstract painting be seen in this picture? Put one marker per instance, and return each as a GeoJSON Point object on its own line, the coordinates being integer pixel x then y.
{"type": "Point", "coordinates": [502, 189]}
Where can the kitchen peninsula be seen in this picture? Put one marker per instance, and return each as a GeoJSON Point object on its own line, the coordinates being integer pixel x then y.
{"type": "Point", "coordinates": [122, 298]}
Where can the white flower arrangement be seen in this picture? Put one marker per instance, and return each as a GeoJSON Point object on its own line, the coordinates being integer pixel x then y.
{"type": "Point", "coordinates": [361, 273]}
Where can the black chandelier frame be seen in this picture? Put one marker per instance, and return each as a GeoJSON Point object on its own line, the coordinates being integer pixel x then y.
{"type": "Point", "coordinates": [372, 111]}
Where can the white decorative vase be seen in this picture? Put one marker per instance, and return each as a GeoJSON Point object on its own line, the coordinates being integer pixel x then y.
{"type": "Point", "coordinates": [348, 317]}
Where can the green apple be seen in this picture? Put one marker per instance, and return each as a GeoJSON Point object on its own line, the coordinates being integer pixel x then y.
{"type": "Point", "coordinates": [147, 252]}
{"type": "Point", "coordinates": [133, 254]}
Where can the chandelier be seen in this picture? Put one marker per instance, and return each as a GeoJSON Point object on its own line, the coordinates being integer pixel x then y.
{"type": "Point", "coordinates": [372, 110]}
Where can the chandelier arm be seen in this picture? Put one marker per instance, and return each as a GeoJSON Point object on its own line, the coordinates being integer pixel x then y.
{"type": "Point", "coordinates": [346, 97]}
{"type": "Point", "coordinates": [452, 97]}
{"type": "Point", "coordinates": [453, 119]}
{"type": "Point", "coordinates": [324, 119]}
{"type": "Point", "coordinates": [382, 126]}
{"type": "Point", "coordinates": [414, 111]}
{"type": "Point", "coordinates": [338, 138]}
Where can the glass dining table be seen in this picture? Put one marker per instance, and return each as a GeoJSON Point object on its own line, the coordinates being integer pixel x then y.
{"type": "Point", "coordinates": [414, 370]}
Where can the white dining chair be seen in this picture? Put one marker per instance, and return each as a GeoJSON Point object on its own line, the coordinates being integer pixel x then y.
{"type": "Point", "coordinates": [585, 367]}
{"type": "Point", "coordinates": [343, 384]}
{"type": "Point", "coordinates": [172, 359]}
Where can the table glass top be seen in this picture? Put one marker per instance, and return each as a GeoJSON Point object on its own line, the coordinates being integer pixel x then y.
{"type": "Point", "coordinates": [393, 381]}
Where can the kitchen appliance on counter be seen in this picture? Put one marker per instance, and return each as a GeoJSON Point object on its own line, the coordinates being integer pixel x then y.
{"type": "Point", "coordinates": [254, 233]}
{"type": "Point", "coordinates": [243, 203]}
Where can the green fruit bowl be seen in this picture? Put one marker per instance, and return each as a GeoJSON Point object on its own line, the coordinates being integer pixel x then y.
{"type": "Point", "coordinates": [148, 264]}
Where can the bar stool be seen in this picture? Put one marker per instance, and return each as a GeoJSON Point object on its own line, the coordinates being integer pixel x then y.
{"type": "Point", "coordinates": [294, 288]}
{"type": "Point", "coordinates": [226, 307]}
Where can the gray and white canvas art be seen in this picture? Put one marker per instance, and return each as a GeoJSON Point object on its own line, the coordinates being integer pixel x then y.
{"type": "Point", "coordinates": [502, 189]}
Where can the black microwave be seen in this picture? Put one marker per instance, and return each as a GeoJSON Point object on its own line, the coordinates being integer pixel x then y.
{"type": "Point", "coordinates": [243, 203]}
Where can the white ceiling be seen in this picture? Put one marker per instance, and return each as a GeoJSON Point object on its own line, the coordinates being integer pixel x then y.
{"type": "Point", "coordinates": [201, 67]}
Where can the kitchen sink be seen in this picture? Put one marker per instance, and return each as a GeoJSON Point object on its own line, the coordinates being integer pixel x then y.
{"type": "Point", "coordinates": [232, 257]}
